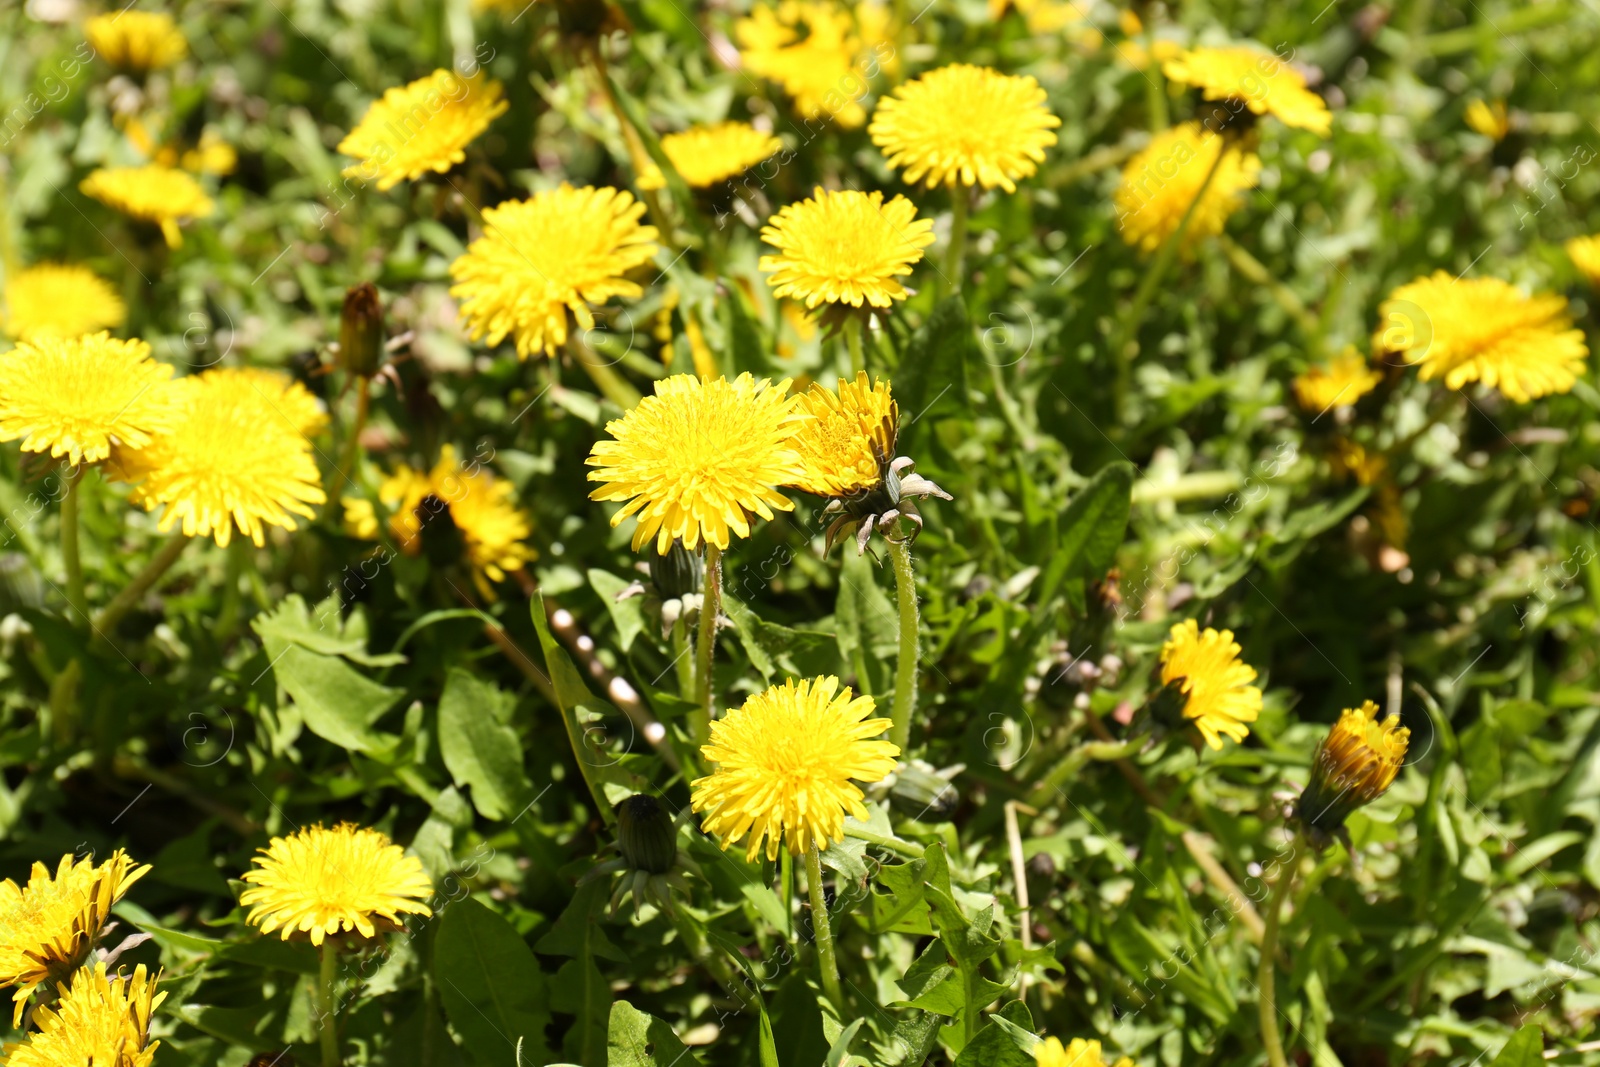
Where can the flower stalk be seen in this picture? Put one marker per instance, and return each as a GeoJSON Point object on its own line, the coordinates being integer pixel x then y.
{"type": "Point", "coordinates": [106, 621]}
{"type": "Point", "coordinates": [955, 255]}
{"type": "Point", "coordinates": [70, 559]}
{"type": "Point", "coordinates": [852, 338]}
{"type": "Point", "coordinates": [822, 931]}
{"type": "Point", "coordinates": [326, 1027]}
{"type": "Point", "coordinates": [905, 673]}
{"type": "Point", "coordinates": [1266, 976]}
{"type": "Point", "coordinates": [613, 386]}
{"type": "Point", "coordinates": [706, 644]}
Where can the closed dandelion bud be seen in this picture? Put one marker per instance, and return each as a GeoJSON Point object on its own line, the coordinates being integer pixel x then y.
{"type": "Point", "coordinates": [677, 573]}
{"type": "Point", "coordinates": [361, 331]}
{"type": "Point", "coordinates": [923, 794]}
{"type": "Point", "coordinates": [645, 834]}
{"type": "Point", "coordinates": [1355, 765]}
{"type": "Point", "coordinates": [442, 540]}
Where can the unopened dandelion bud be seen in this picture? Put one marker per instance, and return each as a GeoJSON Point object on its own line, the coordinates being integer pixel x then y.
{"type": "Point", "coordinates": [361, 332]}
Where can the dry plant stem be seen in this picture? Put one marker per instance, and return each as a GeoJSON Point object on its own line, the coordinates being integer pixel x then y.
{"type": "Point", "coordinates": [613, 386]}
{"type": "Point", "coordinates": [706, 645]}
{"type": "Point", "coordinates": [822, 931]}
{"type": "Point", "coordinates": [955, 255]}
{"type": "Point", "coordinates": [326, 1027]}
{"type": "Point", "coordinates": [1266, 972]}
{"type": "Point", "coordinates": [1199, 846]}
{"type": "Point", "coordinates": [105, 622]}
{"type": "Point", "coordinates": [1019, 876]}
{"type": "Point", "coordinates": [70, 560]}
{"type": "Point", "coordinates": [905, 671]}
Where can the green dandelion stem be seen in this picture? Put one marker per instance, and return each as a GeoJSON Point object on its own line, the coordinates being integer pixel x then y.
{"type": "Point", "coordinates": [681, 659]}
{"type": "Point", "coordinates": [852, 339]}
{"type": "Point", "coordinates": [822, 931]}
{"type": "Point", "coordinates": [106, 622]}
{"type": "Point", "coordinates": [957, 252]}
{"type": "Point", "coordinates": [905, 671]}
{"type": "Point", "coordinates": [325, 1024]}
{"type": "Point", "coordinates": [1155, 87]}
{"type": "Point", "coordinates": [1128, 328]}
{"type": "Point", "coordinates": [70, 559]}
{"type": "Point", "coordinates": [1266, 977]}
{"type": "Point", "coordinates": [352, 445]}
{"type": "Point", "coordinates": [1256, 272]}
{"type": "Point", "coordinates": [706, 645]}
{"type": "Point", "coordinates": [613, 386]}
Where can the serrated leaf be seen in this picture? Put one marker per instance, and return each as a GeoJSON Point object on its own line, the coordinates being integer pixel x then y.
{"type": "Point", "coordinates": [478, 745]}
{"type": "Point", "coordinates": [492, 989]}
{"type": "Point", "coordinates": [1088, 531]}
{"type": "Point", "coordinates": [336, 702]}
{"type": "Point", "coordinates": [1001, 1043]}
{"type": "Point", "coordinates": [627, 615]}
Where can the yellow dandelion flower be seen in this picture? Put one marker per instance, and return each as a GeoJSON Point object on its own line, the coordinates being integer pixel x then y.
{"type": "Point", "coordinates": [965, 124]}
{"type": "Point", "coordinates": [151, 193]}
{"type": "Point", "coordinates": [1257, 78]}
{"type": "Point", "coordinates": [102, 1020]}
{"type": "Point", "coordinates": [421, 127]}
{"type": "Point", "coordinates": [1585, 255]}
{"type": "Point", "coordinates": [1161, 180]}
{"type": "Point", "coordinates": [212, 155]}
{"type": "Point", "coordinates": [698, 458]}
{"type": "Point", "coordinates": [1355, 765]}
{"type": "Point", "coordinates": [1205, 667]}
{"type": "Point", "coordinates": [786, 763]}
{"type": "Point", "coordinates": [481, 506]}
{"type": "Point", "coordinates": [812, 50]}
{"type": "Point", "coordinates": [538, 259]}
{"type": "Point", "coordinates": [1041, 16]}
{"type": "Point", "coordinates": [1491, 120]}
{"type": "Point", "coordinates": [846, 444]}
{"type": "Point", "coordinates": [233, 455]}
{"type": "Point", "coordinates": [706, 155]}
{"type": "Point", "coordinates": [136, 40]}
{"type": "Point", "coordinates": [323, 882]}
{"type": "Point", "coordinates": [292, 403]}
{"type": "Point", "coordinates": [74, 397]}
{"type": "Point", "coordinates": [360, 518]}
{"type": "Point", "coordinates": [844, 248]}
{"type": "Point", "coordinates": [1483, 329]}
{"type": "Point", "coordinates": [60, 300]}
{"type": "Point", "coordinates": [1342, 381]}
{"type": "Point", "coordinates": [48, 926]}
{"type": "Point", "coordinates": [1353, 460]}
{"type": "Point", "coordinates": [1077, 1053]}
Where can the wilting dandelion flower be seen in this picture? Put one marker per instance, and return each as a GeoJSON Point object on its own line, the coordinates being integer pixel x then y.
{"type": "Point", "coordinates": [811, 49]}
{"type": "Point", "coordinates": [1483, 329]}
{"type": "Point", "coordinates": [151, 193]}
{"type": "Point", "coordinates": [1161, 181]}
{"type": "Point", "coordinates": [422, 127]}
{"type": "Point", "coordinates": [786, 764]}
{"type": "Point", "coordinates": [1205, 668]}
{"type": "Point", "coordinates": [74, 396]}
{"type": "Point", "coordinates": [706, 155]}
{"type": "Point", "coordinates": [234, 454]}
{"type": "Point", "coordinates": [60, 300]}
{"type": "Point", "coordinates": [1078, 1053]}
{"type": "Point", "coordinates": [1354, 765]}
{"type": "Point", "coordinates": [48, 926]}
{"type": "Point", "coordinates": [136, 41]}
{"type": "Point", "coordinates": [1585, 255]}
{"type": "Point", "coordinates": [1341, 381]}
{"type": "Point", "coordinates": [102, 1020]}
{"type": "Point", "coordinates": [844, 248]}
{"type": "Point", "coordinates": [322, 882]}
{"type": "Point", "coordinates": [698, 459]}
{"type": "Point", "coordinates": [1491, 120]}
{"type": "Point", "coordinates": [1253, 78]}
{"type": "Point", "coordinates": [538, 259]}
{"type": "Point", "coordinates": [965, 124]}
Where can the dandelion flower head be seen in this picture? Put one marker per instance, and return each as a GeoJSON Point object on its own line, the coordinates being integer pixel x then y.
{"type": "Point", "coordinates": [844, 247]}
{"type": "Point", "coordinates": [1162, 179]}
{"type": "Point", "coordinates": [135, 40]}
{"type": "Point", "coordinates": [321, 882]}
{"type": "Point", "coordinates": [1263, 82]}
{"type": "Point", "coordinates": [74, 397]}
{"type": "Point", "coordinates": [422, 127]}
{"type": "Point", "coordinates": [1342, 381]}
{"type": "Point", "coordinates": [59, 300]}
{"type": "Point", "coordinates": [846, 444]}
{"type": "Point", "coordinates": [102, 1020]}
{"type": "Point", "coordinates": [1206, 668]}
{"type": "Point", "coordinates": [151, 193]}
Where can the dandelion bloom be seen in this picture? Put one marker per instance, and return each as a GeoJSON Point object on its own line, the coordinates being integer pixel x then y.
{"type": "Point", "coordinates": [1483, 329]}
{"type": "Point", "coordinates": [421, 127]}
{"type": "Point", "coordinates": [1257, 78]}
{"type": "Point", "coordinates": [538, 259]}
{"type": "Point", "coordinates": [706, 155]}
{"type": "Point", "coordinates": [233, 455]}
{"type": "Point", "coordinates": [1161, 180]}
{"type": "Point", "coordinates": [1491, 120]}
{"type": "Point", "coordinates": [698, 458]}
{"type": "Point", "coordinates": [1341, 381]}
{"type": "Point", "coordinates": [102, 1020]}
{"type": "Point", "coordinates": [1354, 765]}
{"type": "Point", "coordinates": [1205, 667]}
{"type": "Point", "coordinates": [811, 49]}
{"type": "Point", "coordinates": [73, 397]}
{"type": "Point", "coordinates": [965, 124]}
{"type": "Point", "coordinates": [50, 924]}
{"type": "Point", "coordinates": [844, 248]}
{"type": "Point", "coordinates": [292, 403]}
{"type": "Point", "coordinates": [323, 882]}
{"type": "Point", "coordinates": [1078, 1053]}
{"type": "Point", "coordinates": [136, 40]}
{"type": "Point", "coordinates": [784, 764]}
{"type": "Point", "coordinates": [1585, 255]}
{"type": "Point", "coordinates": [151, 193]}
{"type": "Point", "coordinates": [60, 300]}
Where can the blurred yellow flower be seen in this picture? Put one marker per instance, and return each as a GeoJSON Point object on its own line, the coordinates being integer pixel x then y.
{"type": "Point", "coordinates": [151, 193]}
{"type": "Point", "coordinates": [136, 40]}
{"type": "Point", "coordinates": [706, 155]}
{"type": "Point", "coordinates": [1206, 668]}
{"type": "Point", "coordinates": [74, 396]}
{"type": "Point", "coordinates": [1044, 16]}
{"type": "Point", "coordinates": [1491, 120]}
{"type": "Point", "coordinates": [292, 402]}
{"type": "Point", "coordinates": [1161, 180]}
{"type": "Point", "coordinates": [785, 767]}
{"type": "Point", "coordinates": [1585, 255]}
{"type": "Point", "coordinates": [698, 459]}
{"type": "Point", "coordinates": [48, 926]}
{"type": "Point", "coordinates": [965, 124]}
{"type": "Point", "coordinates": [422, 127]}
{"type": "Point", "coordinates": [1483, 329]}
{"type": "Point", "coordinates": [844, 247]}
{"type": "Point", "coordinates": [1353, 460]}
{"type": "Point", "coordinates": [322, 882]}
{"type": "Point", "coordinates": [60, 300]}
{"type": "Point", "coordinates": [811, 48]}
{"type": "Point", "coordinates": [1256, 78]}
{"type": "Point", "coordinates": [212, 155]}
{"type": "Point", "coordinates": [1078, 1053]}
{"type": "Point", "coordinates": [847, 442]}
{"type": "Point", "coordinates": [102, 1020]}
{"type": "Point", "coordinates": [1343, 380]}
{"type": "Point", "coordinates": [538, 259]}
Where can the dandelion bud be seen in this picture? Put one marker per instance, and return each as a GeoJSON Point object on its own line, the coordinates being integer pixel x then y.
{"type": "Point", "coordinates": [361, 331]}
{"type": "Point", "coordinates": [645, 834]}
{"type": "Point", "coordinates": [1355, 765]}
{"type": "Point", "coordinates": [677, 573]}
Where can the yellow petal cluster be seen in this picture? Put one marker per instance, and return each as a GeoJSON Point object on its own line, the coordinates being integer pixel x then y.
{"type": "Point", "coordinates": [135, 40]}
{"type": "Point", "coordinates": [102, 1020]}
{"type": "Point", "coordinates": [844, 247]}
{"type": "Point", "coordinates": [1585, 255]}
{"type": "Point", "coordinates": [812, 49]}
{"type": "Point", "coordinates": [1343, 380]}
{"type": "Point", "coordinates": [698, 459]}
{"type": "Point", "coordinates": [1077, 1053]}
{"type": "Point", "coordinates": [151, 193]}
{"type": "Point", "coordinates": [481, 506]}
{"type": "Point", "coordinates": [422, 127]}
{"type": "Point", "coordinates": [1491, 120]}
{"type": "Point", "coordinates": [1161, 181]}
{"type": "Point", "coordinates": [786, 763]}
{"type": "Point", "coordinates": [1206, 668]}
{"type": "Point", "coordinates": [322, 882]}
{"type": "Point", "coordinates": [60, 300]}
{"type": "Point", "coordinates": [1257, 78]}
{"type": "Point", "coordinates": [1355, 764]}
{"type": "Point", "coordinates": [707, 155]}
{"type": "Point", "coordinates": [847, 442]}
{"type": "Point", "coordinates": [1484, 330]}
{"type": "Point", "coordinates": [538, 259]}
{"type": "Point", "coordinates": [74, 397]}
{"type": "Point", "coordinates": [965, 124]}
